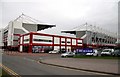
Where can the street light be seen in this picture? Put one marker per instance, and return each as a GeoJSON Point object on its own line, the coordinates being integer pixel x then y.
{"type": "Point", "coordinates": [86, 34]}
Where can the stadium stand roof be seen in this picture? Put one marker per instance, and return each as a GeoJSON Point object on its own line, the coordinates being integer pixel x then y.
{"type": "Point", "coordinates": [29, 20]}
{"type": "Point", "coordinates": [87, 27]}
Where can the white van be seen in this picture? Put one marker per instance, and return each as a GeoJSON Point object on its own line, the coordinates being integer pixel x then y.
{"type": "Point", "coordinates": [94, 53]}
{"type": "Point", "coordinates": [54, 51]}
{"type": "Point", "coordinates": [107, 52]}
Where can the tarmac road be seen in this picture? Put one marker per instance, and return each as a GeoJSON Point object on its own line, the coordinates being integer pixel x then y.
{"type": "Point", "coordinates": [26, 66]}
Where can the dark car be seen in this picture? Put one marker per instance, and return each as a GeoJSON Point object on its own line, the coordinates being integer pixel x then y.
{"type": "Point", "coordinates": [116, 52]}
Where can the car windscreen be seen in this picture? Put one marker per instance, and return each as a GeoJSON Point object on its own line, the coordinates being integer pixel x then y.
{"type": "Point", "coordinates": [117, 50]}
{"type": "Point", "coordinates": [106, 51]}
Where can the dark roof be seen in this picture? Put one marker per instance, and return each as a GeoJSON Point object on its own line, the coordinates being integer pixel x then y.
{"type": "Point", "coordinates": [43, 26]}
{"type": "Point", "coordinates": [71, 32]}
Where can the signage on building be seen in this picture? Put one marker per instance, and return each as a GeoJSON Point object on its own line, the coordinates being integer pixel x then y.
{"type": "Point", "coordinates": [85, 50]}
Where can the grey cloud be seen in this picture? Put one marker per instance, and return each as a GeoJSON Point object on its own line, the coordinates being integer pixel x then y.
{"type": "Point", "coordinates": [66, 14]}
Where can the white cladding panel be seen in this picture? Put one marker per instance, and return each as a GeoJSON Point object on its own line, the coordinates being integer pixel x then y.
{"type": "Point", "coordinates": [62, 41]}
{"type": "Point", "coordinates": [17, 24]}
{"type": "Point", "coordinates": [79, 42]}
{"type": "Point", "coordinates": [21, 48]}
{"type": "Point", "coordinates": [68, 48]}
{"type": "Point", "coordinates": [56, 47]}
{"type": "Point", "coordinates": [73, 41]}
{"type": "Point", "coordinates": [68, 41]}
{"type": "Point", "coordinates": [10, 34]}
{"type": "Point", "coordinates": [1, 37]}
{"type": "Point", "coordinates": [56, 40]}
{"type": "Point", "coordinates": [42, 39]}
{"type": "Point", "coordinates": [62, 47]}
{"type": "Point", "coordinates": [26, 39]}
{"type": "Point", "coordinates": [21, 38]}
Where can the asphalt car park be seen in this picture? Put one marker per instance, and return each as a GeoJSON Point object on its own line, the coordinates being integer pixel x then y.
{"type": "Point", "coordinates": [94, 53]}
{"type": "Point", "coordinates": [81, 63]}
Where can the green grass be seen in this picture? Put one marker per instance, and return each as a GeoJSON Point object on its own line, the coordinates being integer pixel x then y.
{"type": "Point", "coordinates": [4, 73]}
{"type": "Point", "coordinates": [96, 57]}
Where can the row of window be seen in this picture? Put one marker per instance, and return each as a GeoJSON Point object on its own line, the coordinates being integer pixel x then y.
{"type": "Point", "coordinates": [43, 40]}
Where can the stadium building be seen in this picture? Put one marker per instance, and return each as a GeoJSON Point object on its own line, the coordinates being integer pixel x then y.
{"type": "Point", "coordinates": [93, 36]}
{"type": "Point", "coordinates": [21, 25]}
{"type": "Point", "coordinates": [21, 34]}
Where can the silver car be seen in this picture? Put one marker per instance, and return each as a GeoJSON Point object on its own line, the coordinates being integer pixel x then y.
{"type": "Point", "coordinates": [54, 52]}
{"type": "Point", "coordinates": [116, 52]}
{"type": "Point", "coordinates": [107, 52]}
{"type": "Point", "coordinates": [68, 54]}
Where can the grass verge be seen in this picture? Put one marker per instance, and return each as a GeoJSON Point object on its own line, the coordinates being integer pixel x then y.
{"type": "Point", "coordinates": [4, 73]}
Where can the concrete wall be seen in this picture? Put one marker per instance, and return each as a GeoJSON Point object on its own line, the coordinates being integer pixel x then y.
{"type": "Point", "coordinates": [17, 24]}
{"type": "Point", "coordinates": [98, 37]}
{"type": "Point", "coordinates": [118, 22]}
{"type": "Point", "coordinates": [87, 39]}
{"type": "Point", "coordinates": [79, 34]}
{"type": "Point", "coordinates": [18, 31]}
{"type": "Point", "coordinates": [14, 27]}
{"type": "Point", "coordinates": [30, 27]}
{"type": "Point", "coordinates": [1, 37]}
{"type": "Point", "coordinates": [10, 34]}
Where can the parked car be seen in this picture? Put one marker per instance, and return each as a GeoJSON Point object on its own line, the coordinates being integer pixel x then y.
{"type": "Point", "coordinates": [94, 53]}
{"type": "Point", "coordinates": [107, 52]}
{"type": "Point", "coordinates": [54, 51]}
{"type": "Point", "coordinates": [116, 52]}
{"type": "Point", "coordinates": [63, 50]}
{"type": "Point", "coordinates": [68, 54]}
{"type": "Point", "coordinates": [89, 54]}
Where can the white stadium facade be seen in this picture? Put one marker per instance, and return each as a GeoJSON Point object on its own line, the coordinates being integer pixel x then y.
{"type": "Point", "coordinates": [22, 35]}
{"type": "Point", "coordinates": [93, 36]}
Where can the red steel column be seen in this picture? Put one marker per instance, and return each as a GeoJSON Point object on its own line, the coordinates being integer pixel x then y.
{"type": "Point", "coordinates": [71, 43]}
{"type": "Point", "coordinates": [22, 39]}
{"type": "Point", "coordinates": [53, 42]}
{"type": "Point", "coordinates": [22, 42]}
{"type": "Point", "coordinates": [60, 43]}
{"type": "Point", "coordinates": [65, 44]}
{"type": "Point", "coordinates": [19, 43]}
{"type": "Point", "coordinates": [30, 43]}
{"type": "Point", "coordinates": [82, 44]}
{"type": "Point", "coordinates": [76, 42]}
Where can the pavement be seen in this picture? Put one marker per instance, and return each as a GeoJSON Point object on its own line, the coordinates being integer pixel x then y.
{"type": "Point", "coordinates": [93, 65]}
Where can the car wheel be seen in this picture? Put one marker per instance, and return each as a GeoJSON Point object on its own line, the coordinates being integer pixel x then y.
{"type": "Point", "coordinates": [113, 55]}
{"type": "Point", "coordinates": [64, 56]}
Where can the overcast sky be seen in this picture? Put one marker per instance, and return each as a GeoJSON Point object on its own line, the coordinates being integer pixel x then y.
{"type": "Point", "coordinates": [66, 14]}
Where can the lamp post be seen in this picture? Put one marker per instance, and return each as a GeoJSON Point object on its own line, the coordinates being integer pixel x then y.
{"type": "Point", "coordinates": [86, 34]}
